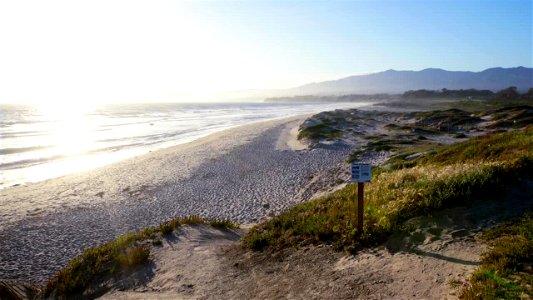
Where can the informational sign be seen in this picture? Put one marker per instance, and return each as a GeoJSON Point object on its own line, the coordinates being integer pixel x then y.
{"type": "Point", "coordinates": [361, 172]}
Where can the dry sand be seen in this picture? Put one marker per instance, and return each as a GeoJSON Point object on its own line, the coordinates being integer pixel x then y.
{"type": "Point", "coordinates": [244, 174]}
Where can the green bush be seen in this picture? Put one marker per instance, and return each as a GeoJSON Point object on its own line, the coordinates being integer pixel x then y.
{"type": "Point", "coordinates": [505, 271]}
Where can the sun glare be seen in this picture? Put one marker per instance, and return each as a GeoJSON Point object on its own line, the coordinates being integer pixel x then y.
{"type": "Point", "coordinates": [70, 130]}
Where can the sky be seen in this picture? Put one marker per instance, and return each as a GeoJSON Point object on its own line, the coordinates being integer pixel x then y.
{"type": "Point", "coordinates": [160, 51]}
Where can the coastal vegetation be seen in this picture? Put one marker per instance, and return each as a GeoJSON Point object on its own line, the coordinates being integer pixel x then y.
{"type": "Point", "coordinates": [421, 95]}
{"type": "Point", "coordinates": [409, 130]}
{"type": "Point", "coordinates": [86, 275]}
{"type": "Point", "coordinates": [446, 93]}
{"type": "Point", "coordinates": [319, 131]}
{"type": "Point", "coordinates": [422, 177]}
{"type": "Point", "coordinates": [447, 176]}
{"type": "Point", "coordinates": [510, 93]}
{"type": "Point", "coordinates": [506, 269]}
{"type": "Point", "coordinates": [335, 125]}
{"type": "Point", "coordinates": [473, 105]}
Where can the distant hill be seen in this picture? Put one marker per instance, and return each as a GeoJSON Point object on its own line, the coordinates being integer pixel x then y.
{"type": "Point", "coordinates": [392, 81]}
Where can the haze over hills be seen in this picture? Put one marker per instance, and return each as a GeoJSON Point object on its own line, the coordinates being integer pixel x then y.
{"type": "Point", "coordinates": [393, 81]}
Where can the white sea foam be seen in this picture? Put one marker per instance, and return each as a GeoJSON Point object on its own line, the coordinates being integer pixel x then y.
{"type": "Point", "coordinates": [38, 144]}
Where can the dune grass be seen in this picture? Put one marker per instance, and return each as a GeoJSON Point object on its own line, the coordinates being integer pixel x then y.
{"type": "Point", "coordinates": [381, 144]}
{"type": "Point", "coordinates": [496, 147]}
{"type": "Point", "coordinates": [223, 224]}
{"type": "Point", "coordinates": [506, 269]}
{"type": "Point", "coordinates": [123, 254]}
{"type": "Point", "coordinates": [444, 120]}
{"type": "Point", "coordinates": [451, 175]}
{"type": "Point", "coordinates": [503, 147]}
{"type": "Point", "coordinates": [319, 131]}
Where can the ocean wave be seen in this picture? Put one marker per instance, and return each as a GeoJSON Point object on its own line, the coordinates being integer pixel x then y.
{"type": "Point", "coordinates": [25, 163]}
{"type": "Point", "coordinates": [7, 151]}
{"type": "Point", "coordinates": [17, 134]}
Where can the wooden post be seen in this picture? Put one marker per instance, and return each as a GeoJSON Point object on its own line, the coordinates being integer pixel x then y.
{"type": "Point", "coordinates": [361, 173]}
{"type": "Point", "coordinates": [360, 206]}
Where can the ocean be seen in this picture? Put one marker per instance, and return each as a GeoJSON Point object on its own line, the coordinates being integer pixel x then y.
{"type": "Point", "coordinates": [42, 142]}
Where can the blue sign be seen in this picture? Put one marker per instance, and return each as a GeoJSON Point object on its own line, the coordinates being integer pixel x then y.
{"type": "Point", "coordinates": [361, 172]}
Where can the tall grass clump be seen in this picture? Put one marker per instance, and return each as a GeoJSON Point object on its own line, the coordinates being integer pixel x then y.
{"type": "Point", "coordinates": [123, 254]}
{"type": "Point", "coordinates": [319, 131]}
{"type": "Point", "coordinates": [506, 268]}
{"type": "Point", "coordinates": [223, 224]}
{"type": "Point", "coordinates": [394, 196]}
{"type": "Point", "coordinates": [120, 255]}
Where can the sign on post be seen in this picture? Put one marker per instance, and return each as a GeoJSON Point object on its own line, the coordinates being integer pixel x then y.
{"type": "Point", "coordinates": [361, 173]}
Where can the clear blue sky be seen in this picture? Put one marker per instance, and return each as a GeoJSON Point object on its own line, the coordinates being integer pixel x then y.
{"type": "Point", "coordinates": [159, 50]}
{"type": "Point", "coordinates": [346, 37]}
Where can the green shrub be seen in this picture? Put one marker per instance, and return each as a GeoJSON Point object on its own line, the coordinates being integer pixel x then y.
{"type": "Point", "coordinates": [505, 271]}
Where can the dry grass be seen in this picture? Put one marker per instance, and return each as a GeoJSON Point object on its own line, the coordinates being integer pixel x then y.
{"type": "Point", "coordinates": [455, 174]}
{"type": "Point", "coordinates": [120, 255]}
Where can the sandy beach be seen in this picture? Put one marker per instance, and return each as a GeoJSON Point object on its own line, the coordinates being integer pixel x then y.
{"type": "Point", "coordinates": [244, 174]}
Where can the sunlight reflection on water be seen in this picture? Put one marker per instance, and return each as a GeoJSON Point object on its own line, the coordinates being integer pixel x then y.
{"type": "Point", "coordinates": [38, 143]}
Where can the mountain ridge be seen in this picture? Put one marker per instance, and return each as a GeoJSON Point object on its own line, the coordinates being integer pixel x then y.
{"type": "Point", "coordinates": [399, 81]}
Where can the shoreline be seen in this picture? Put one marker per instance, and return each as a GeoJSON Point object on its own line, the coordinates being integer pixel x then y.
{"type": "Point", "coordinates": [244, 174]}
{"type": "Point", "coordinates": [116, 169]}
{"type": "Point", "coordinates": [128, 157]}
{"type": "Point", "coordinates": [163, 132]}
